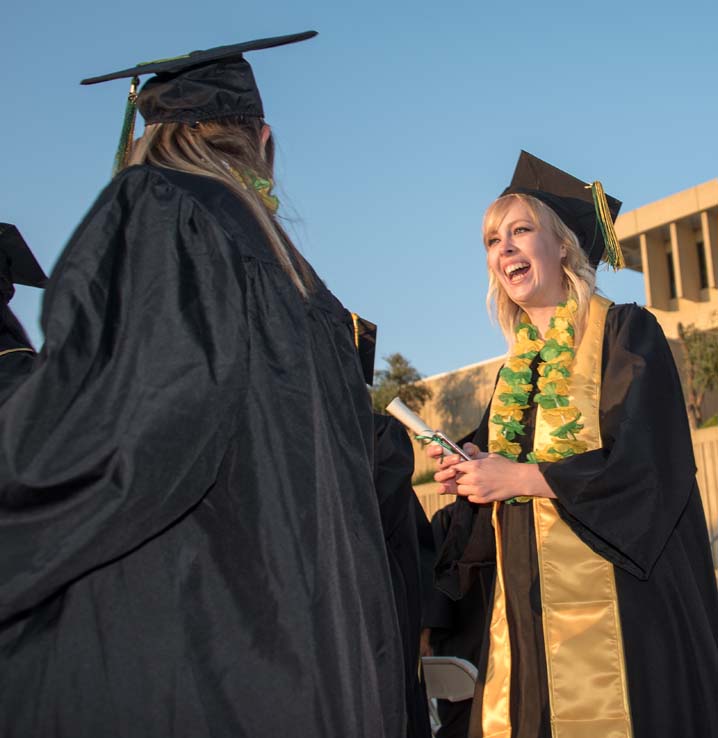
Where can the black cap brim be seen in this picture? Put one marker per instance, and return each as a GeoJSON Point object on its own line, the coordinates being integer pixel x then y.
{"type": "Point", "coordinates": [198, 58]}
{"type": "Point", "coordinates": [24, 268]}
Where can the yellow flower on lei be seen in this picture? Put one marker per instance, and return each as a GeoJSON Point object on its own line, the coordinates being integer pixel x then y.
{"type": "Point", "coordinates": [558, 416]}
{"type": "Point", "coordinates": [567, 311]}
{"type": "Point", "coordinates": [560, 382]}
{"type": "Point", "coordinates": [516, 364]}
{"type": "Point", "coordinates": [543, 455]}
{"type": "Point", "coordinates": [562, 337]}
{"type": "Point", "coordinates": [564, 448]}
{"type": "Point", "coordinates": [511, 412]}
{"type": "Point", "coordinates": [506, 448]}
{"type": "Point", "coordinates": [525, 345]}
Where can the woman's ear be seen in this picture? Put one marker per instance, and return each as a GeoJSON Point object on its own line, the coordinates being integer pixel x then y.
{"type": "Point", "coordinates": [264, 136]}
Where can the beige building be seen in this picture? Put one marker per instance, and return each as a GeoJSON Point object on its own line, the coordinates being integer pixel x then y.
{"type": "Point", "coordinates": [674, 242]}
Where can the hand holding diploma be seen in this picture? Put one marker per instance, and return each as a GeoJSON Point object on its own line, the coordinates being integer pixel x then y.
{"type": "Point", "coordinates": [470, 472]}
{"type": "Point", "coordinates": [489, 477]}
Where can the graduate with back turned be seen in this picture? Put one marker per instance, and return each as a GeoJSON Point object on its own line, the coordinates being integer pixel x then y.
{"type": "Point", "coordinates": [191, 542]}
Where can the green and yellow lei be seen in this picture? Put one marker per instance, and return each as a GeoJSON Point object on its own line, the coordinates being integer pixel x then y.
{"type": "Point", "coordinates": [514, 389]}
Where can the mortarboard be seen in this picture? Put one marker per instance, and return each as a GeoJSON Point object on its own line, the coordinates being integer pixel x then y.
{"type": "Point", "coordinates": [365, 342]}
{"type": "Point", "coordinates": [21, 263]}
{"type": "Point", "coordinates": [199, 86]}
{"type": "Point", "coordinates": [584, 208]}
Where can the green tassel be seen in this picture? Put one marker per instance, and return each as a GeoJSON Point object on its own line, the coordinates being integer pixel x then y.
{"type": "Point", "coordinates": [128, 128]}
{"type": "Point", "coordinates": [613, 254]}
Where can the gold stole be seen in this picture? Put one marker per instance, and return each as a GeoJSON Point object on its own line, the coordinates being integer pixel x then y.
{"type": "Point", "coordinates": [585, 663]}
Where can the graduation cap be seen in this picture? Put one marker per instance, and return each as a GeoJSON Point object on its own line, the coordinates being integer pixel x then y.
{"type": "Point", "coordinates": [21, 265]}
{"type": "Point", "coordinates": [199, 86]}
{"type": "Point", "coordinates": [584, 208]}
{"type": "Point", "coordinates": [365, 342]}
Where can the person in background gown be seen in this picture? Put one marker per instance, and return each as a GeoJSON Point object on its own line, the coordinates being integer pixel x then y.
{"type": "Point", "coordinates": [401, 517]}
{"type": "Point", "coordinates": [605, 611]}
{"type": "Point", "coordinates": [191, 541]}
{"type": "Point", "coordinates": [17, 266]}
{"type": "Point", "coordinates": [404, 524]}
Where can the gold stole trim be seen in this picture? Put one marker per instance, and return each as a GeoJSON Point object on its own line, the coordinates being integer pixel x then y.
{"type": "Point", "coordinates": [15, 351]}
{"type": "Point", "coordinates": [585, 662]}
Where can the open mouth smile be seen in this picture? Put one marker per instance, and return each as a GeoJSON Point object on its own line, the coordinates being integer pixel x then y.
{"type": "Point", "coordinates": [517, 271]}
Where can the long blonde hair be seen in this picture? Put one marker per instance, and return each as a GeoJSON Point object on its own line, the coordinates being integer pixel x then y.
{"type": "Point", "coordinates": [225, 150]}
{"type": "Point", "coordinates": [579, 277]}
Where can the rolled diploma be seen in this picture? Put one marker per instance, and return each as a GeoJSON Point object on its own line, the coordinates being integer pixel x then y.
{"type": "Point", "coordinates": [409, 418]}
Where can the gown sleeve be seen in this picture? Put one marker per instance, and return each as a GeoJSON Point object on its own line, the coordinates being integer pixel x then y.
{"type": "Point", "coordinates": [625, 499]}
{"type": "Point", "coordinates": [468, 549]}
{"type": "Point", "coordinates": [121, 425]}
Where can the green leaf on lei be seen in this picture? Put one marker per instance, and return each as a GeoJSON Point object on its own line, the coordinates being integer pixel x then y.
{"type": "Point", "coordinates": [523, 376]}
{"type": "Point", "coordinates": [562, 454]}
{"type": "Point", "coordinates": [552, 401]}
{"type": "Point", "coordinates": [510, 428]}
{"type": "Point", "coordinates": [553, 349]}
{"type": "Point", "coordinates": [569, 430]}
{"type": "Point", "coordinates": [517, 397]}
{"type": "Point", "coordinates": [562, 369]}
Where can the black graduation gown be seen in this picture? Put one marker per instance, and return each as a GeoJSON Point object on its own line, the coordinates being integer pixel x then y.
{"type": "Point", "coordinates": [191, 541]}
{"type": "Point", "coordinates": [394, 466]}
{"type": "Point", "coordinates": [636, 502]}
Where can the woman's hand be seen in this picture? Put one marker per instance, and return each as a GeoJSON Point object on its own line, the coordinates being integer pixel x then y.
{"type": "Point", "coordinates": [446, 475]}
{"type": "Point", "coordinates": [491, 478]}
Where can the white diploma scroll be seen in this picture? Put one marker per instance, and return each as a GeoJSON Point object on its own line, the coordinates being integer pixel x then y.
{"type": "Point", "coordinates": [408, 418]}
{"type": "Point", "coordinates": [419, 428]}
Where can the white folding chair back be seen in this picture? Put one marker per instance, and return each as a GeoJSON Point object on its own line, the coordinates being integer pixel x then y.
{"type": "Point", "coordinates": [449, 678]}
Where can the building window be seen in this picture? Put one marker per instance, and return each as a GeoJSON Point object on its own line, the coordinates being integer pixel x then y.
{"type": "Point", "coordinates": [671, 276]}
{"type": "Point", "coordinates": [702, 268]}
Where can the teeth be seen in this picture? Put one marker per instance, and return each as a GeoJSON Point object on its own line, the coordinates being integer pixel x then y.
{"type": "Point", "coordinates": [514, 267]}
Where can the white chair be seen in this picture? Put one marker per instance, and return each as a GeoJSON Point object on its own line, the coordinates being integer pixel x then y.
{"type": "Point", "coordinates": [449, 678]}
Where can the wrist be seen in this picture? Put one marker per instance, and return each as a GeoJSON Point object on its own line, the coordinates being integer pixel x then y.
{"type": "Point", "coordinates": [534, 482]}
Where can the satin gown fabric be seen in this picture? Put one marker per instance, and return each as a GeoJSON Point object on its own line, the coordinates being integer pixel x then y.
{"type": "Point", "coordinates": [635, 502]}
{"type": "Point", "coordinates": [191, 540]}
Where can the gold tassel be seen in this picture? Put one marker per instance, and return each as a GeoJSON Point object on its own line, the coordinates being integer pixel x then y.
{"type": "Point", "coordinates": [355, 320]}
{"type": "Point", "coordinates": [613, 254]}
{"type": "Point", "coordinates": [128, 129]}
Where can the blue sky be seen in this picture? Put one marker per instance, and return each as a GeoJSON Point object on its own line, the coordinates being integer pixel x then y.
{"type": "Point", "coordinates": [396, 127]}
